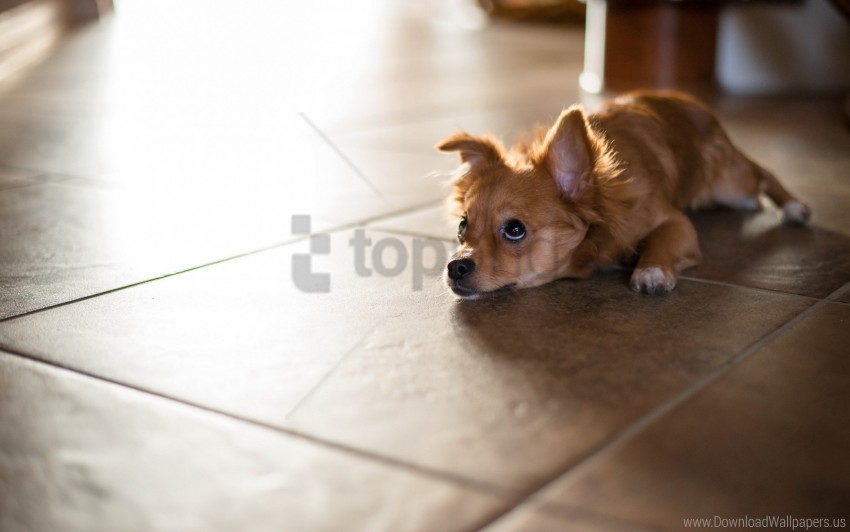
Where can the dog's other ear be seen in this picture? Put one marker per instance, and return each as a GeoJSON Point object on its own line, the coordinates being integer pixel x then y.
{"type": "Point", "coordinates": [567, 153]}
{"type": "Point", "coordinates": [479, 152]}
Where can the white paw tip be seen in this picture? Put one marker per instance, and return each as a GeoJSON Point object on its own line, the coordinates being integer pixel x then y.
{"type": "Point", "coordinates": [653, 280]}
{"type": "Point", "coordinates": [796, 213]}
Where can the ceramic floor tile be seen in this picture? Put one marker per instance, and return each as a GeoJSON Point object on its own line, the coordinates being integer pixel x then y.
{"type": "Point", "coordinates": [506, 122]}
{"type": "Point", "coordinates": [843, 296]}
{"type": "Point", "coordinates": [829, 209]}
{"type": "Point", "coordinates": [15, 177]}
{"type": "Point", "coordinates": [284, 154]}
{"type": "Point", "coordinates": [389, 71]}
{"type": "Point", "coordinates": [309, 176]}
{"type": "Point", "coordinates": [238, 336]}
{"type": "Point", "coordinates": [544, 519]}
{"type": "Point", "coordinates": [79, 455]}
{"type": "Point", "coordinates": [756, 249]}
{"type": "Point", "coordinates": [502, 91]}
{"type": "Point", "coordinates": [435, 222]}
{"type": "Point", "coordinates": [767, 438]}
{"type": "Point", "coordinates": [408, 180]}
{"type": "Point", "coordinates": [500, 67]}
{"type": "Point", "coordinates": [512, 389]}
{"type": "Point", "coordinates": [63, 242]}
{"type": "Point", "coordinates": [505, 390]}
{"type": "Point", "coordinates": [806, 144]}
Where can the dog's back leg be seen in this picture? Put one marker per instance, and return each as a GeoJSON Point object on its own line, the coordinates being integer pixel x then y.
{"type": "Point", "coordinates": [794, 211]}
{"type": "Point", "coordinates": [742, 182]}
{"type": "Point", "coordinates": [738, 184]}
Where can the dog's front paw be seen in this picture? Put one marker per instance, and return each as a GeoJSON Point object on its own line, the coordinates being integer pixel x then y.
{"type": "Point", "coordinates": [653, 280]}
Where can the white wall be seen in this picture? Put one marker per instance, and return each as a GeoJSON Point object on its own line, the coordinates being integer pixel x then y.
{"type": "Point", "coordinates": [765, 48]}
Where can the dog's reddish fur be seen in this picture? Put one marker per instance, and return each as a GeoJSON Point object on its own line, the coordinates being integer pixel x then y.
{"type": "Point", "coordinates": [594, 190]}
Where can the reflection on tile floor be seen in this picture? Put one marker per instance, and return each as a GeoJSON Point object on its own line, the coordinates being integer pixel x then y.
{"type": "Point", "coordinates": [100, 457]}
{"type": "Point", "coordinates": [162, 366]}
{"type": "Point", "coordinates": [748, 445]}
{"type": "Point", "coordinates": [15, 177]}
{"type": "Point", "coordinates": [756, 249]}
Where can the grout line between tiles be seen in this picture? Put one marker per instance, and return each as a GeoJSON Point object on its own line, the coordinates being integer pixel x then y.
{"type": "Point", "coordinates": [645, 421]}
{"type": "Point", "coordinates": [564, 512]}
{"type": "Point", "coordinates": [423, 113]}
{"type": "Point", "coordinates": [756, 288]}
{"type": "Point", "coordinates": [335, 229]}
{"type": "Point", "coordinates": [16, 186]}
{"type": "Point", "coordinates": [324, 378]}
{"type": "Point", "coordinates": [414, 234]}
{"type": "Point", "coordinates": [552, 104]}
{"type": "Point", "coordinates": [622, 268]}
{"type": "Point", "coordinates": [150, 280]}
{"type": "Point", "coordinates": [408, 210]}
{"type": "Point", "coordinates": [434, 473]}
{"type": "Point", "coordinates": [342, 156]}
{"type": "Point", "coordinates": [38, 173]}
{"type": "Point", "coordinates": [365, 222]}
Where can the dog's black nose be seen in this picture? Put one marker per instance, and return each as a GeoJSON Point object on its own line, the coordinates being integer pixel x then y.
{"type": "Point", "coordinates": [460, 268]}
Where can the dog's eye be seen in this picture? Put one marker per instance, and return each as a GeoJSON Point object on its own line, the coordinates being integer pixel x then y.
{"type": "Point", "coordinates": [514, 230]}
{"type": "Point", "coordinates": [461, 229]}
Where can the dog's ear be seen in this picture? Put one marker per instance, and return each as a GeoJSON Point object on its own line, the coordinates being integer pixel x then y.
{"type": "Point", "coordinates": [479, 152]}
{"type": "Point", "coordinates": [567, 153]}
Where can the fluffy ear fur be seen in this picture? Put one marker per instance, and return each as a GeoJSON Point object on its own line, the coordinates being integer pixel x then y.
{"type": "Point", "coordinates": [568, 153]}
{"type": "Point", "coordinates": [479, 152]}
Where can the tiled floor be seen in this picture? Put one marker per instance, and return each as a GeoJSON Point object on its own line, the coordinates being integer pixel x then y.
{"type": "Point", "coordinates": [160, 369]}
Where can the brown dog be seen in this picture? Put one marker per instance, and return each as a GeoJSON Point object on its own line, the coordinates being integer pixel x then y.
{"type": "Point", "coordinates": [597, 189]}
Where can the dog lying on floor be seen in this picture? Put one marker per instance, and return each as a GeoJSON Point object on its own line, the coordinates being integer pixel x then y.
{"type": "Point", "coordinates": [595, 190]}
